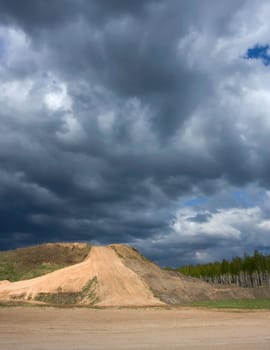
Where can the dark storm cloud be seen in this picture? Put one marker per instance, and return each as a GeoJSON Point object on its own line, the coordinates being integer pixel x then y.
{"type": "Point", "coordinates": [37, 14]}
{"type": "Point", "coordinates": [132, 49]}
{"type": "Point", "coordinates": [111, 111]}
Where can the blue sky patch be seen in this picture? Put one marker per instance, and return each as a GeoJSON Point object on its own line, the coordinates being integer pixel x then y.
{"type": "Point", "coordinates": [243, 198]}
{"type": "Point", "coordinates": [259, 52]}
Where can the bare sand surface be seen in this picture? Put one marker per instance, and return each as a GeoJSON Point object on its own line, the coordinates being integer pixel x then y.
{"type": "Point", "coordinates": [183, 328]}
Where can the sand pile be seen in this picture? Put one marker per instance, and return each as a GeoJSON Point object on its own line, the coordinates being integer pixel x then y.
{"type": "Point", "coordinates": [117, 275]}
{"type": "Point", "coordinates": [102, 279]}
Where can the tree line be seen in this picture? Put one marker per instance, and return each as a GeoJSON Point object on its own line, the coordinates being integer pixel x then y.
{"type": "Point", "coordinates": [247, 271]}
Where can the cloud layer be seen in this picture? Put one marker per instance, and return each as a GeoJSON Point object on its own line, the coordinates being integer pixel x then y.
{"type": "Point", "coordinates": [115, 113]}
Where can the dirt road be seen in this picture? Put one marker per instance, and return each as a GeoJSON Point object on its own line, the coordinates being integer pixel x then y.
{"type": "Point", "coordinates": [157, 329]}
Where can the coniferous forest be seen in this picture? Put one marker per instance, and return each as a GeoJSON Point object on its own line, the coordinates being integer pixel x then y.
{"type": "Point", "coordinates": [247, 271]}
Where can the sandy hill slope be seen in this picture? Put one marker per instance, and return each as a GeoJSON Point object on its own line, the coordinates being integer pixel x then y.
{"type": "Point", "coordinates": [174, 288]}
{"type": "Point", "coordinates": [101, 279]}
{"type": "Point", "coordinates": [115, 275]}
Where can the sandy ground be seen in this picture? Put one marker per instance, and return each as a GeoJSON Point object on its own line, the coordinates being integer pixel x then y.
{"type": "Point", "coordinates": [81, 329]}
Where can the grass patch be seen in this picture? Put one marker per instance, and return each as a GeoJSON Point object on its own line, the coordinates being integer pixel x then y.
{"type": "Point", "coordinates": [26, 263]}
{"type": "Point", "coordinates": [252, 304]}
{"type": "Point", "coordinates": [14, 271]}
{"type": "Point", "coordinates": [126, 251]}
{"type": "Point", "coordinates": [58, 298]}
{"type": "Point", "coordinates": [15, 303]}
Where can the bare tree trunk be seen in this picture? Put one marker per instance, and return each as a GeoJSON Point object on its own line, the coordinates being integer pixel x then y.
{"type": "Point", "coordinates": [243, 279]}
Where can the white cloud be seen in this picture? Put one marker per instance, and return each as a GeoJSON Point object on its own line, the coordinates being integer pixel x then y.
{"type": "Point", "coordinates": [15, 45]}
{"type": "Point", "coordinates": [15, 92]}
{"type": "Point", "coordinates": [57, 98]}
{"type": "Point", "coordinates": [222, 223]}
{"type": "Point", "coordinates": [264, 224]}
{"type": "Point", "coordinates": [200, 232]}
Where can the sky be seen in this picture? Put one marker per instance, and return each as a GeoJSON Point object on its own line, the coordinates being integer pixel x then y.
{"type": "Point", "coordinates": [137, 122]}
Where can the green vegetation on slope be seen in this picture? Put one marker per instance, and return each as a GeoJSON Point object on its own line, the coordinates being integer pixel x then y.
{"type": "Point", "coordinates": [236, 304]}
{"type": "Point", "coordinates": [246, 271]}
{"type": "Point", "coordinates": [87, 295]}
{"type": "Point", "coordinates": [25, 263]}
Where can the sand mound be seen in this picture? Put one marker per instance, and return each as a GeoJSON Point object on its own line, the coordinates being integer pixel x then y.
{"type": "Point", "coordinates": [117, 275]}
{"type": "Point", "coordinates": [102, 279]}
{"type": "Point", "coordinates": [170, 287]}
{"type": "Point", "coordinates": [175, 288]}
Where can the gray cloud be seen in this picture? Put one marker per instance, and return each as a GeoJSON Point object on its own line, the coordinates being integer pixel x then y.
{"type": "Point", "coordinates": [113, 112]}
